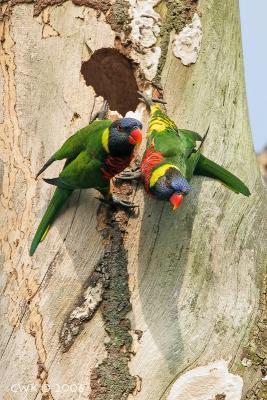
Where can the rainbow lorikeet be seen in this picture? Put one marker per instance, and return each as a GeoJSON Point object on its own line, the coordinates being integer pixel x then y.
{"type": "Point", "coordinates": [94, 155]}
{"type": "Point", "coordinates": [171, 159]}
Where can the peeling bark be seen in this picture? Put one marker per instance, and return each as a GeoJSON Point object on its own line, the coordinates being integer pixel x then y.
{"type": "Point", "coordinates": [118, 306]}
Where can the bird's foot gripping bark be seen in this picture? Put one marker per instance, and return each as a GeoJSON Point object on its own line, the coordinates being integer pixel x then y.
{"type": "Point", "coordinates": [150, 101]}
{"type": "Point", "coordinates": [113, 201]}
{"type": "Point", "coordinates": [102, 113]}
{"type": "Point", "coordinates": [129, 175]}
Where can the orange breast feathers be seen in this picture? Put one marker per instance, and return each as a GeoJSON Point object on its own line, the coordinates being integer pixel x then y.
{"type": "Point", "coordinates": [150, 159]}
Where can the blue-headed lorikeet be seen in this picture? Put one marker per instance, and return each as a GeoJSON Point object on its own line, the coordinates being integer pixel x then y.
{"type": "Point", "coordinates": [171, 159]}
{"type": "Point", "coordinates": [94, 155]}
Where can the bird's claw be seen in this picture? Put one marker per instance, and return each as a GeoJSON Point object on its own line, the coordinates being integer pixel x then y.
{"type": "Point", "coordinates": [114, 201]}
{"type": "Point", "coordinates": [129, 176]}
{"type": "Point", "coordinates": [149, 101]}
{"type": "Point", "coordinates": [102, 113]}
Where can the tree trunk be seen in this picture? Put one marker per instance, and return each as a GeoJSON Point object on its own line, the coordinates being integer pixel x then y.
{"type": "Point", "coordinates": [157, 305]}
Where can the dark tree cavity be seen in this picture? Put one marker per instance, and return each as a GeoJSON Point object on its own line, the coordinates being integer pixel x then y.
{"type": "Point", "coordinates": [111, 75]}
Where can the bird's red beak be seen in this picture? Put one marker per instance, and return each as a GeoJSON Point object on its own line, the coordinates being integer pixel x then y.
{"type": "Point", "coordinates": [176, 200]}
{"type": "Point", "coordinates": [135, 136]}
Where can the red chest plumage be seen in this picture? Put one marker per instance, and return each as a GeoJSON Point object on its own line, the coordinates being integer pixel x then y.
{"type": "Point", "coordinates": [150, 159]}
{"type": "Point", "coordinates": [114, 165]}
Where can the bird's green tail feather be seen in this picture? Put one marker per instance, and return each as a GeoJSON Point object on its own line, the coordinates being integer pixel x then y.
{"type": "Point", "coordinates": [46, 165]}
{"type": "Point", "coordinates": [206, 167]}
{"type": "Point", "coordinates": [59, 198]}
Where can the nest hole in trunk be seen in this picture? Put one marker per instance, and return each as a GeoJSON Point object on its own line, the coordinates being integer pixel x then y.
{"type": "Point", "coordinates": [111, 75]}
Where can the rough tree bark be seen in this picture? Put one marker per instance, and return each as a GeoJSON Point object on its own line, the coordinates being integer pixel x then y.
{"type": "Point", "coordinates": [119, 307]}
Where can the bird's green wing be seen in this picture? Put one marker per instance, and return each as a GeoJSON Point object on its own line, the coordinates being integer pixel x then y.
{"type": "Point", "coordinates": [194, 136]}
{"type": "Point", "coordinates": [191, 164]}
{"type": "Point", "coordinates": [175, 145]}
{"type": "Point", "coordinates": [188, 141]}
{"type": "Point", "coordinates": [78, 142]}
{"type": "Point", "coordinates": [82, 173]}
{"type": "Point", "coordinates": [206, 167]}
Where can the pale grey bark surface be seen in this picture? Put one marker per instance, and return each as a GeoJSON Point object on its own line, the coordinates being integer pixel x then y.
{"type": "Point", "coordinates": [195, 276]}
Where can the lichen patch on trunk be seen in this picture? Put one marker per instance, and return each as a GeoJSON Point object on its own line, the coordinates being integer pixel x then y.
{"type": "Point", "coordinates": [118, 16]}
{"type": "Point", "coordinates": [111, 379]}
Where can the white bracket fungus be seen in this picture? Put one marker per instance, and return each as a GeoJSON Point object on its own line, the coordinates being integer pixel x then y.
{"type": "Point", "coordinates": [186, 44]}
{"type": "Point", "coordinates": [145, 24]}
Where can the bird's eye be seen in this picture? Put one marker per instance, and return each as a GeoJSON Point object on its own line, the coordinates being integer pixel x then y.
{"type": "Point", "coordinates": [120, 128]}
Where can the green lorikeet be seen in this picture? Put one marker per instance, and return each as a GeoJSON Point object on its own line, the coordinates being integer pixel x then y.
{"type": "Point", "coordinates": [171, 159]}
{"type": "Point", "coordinates": [94, 155]}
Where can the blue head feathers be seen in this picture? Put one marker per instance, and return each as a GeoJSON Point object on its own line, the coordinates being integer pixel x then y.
{"type": "Point", "coordinates": [129, 123]}
{"type": "Point", "coordinates": [180, 185]}
{"type": "Point", "coordinates": [124, 134]}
